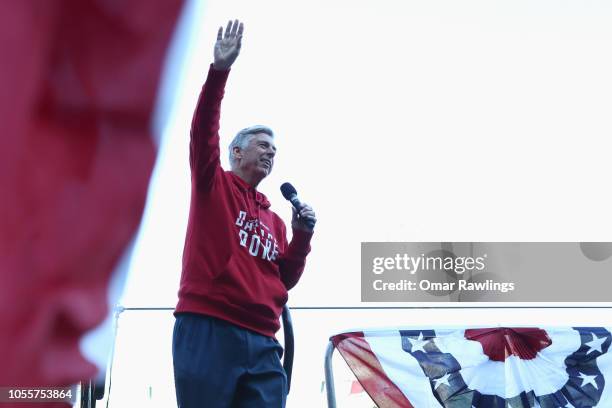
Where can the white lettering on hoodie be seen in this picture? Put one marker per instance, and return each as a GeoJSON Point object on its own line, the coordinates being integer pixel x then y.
{"type": "Point", "coordinates": [258, 241]}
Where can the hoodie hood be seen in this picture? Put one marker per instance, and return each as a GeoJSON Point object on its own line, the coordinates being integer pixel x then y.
{"type": "Point", "coordinates": [251, 192]}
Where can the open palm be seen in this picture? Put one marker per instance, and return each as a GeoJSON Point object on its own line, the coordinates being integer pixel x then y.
{"type": "Point", "coordinates": [228, 44]}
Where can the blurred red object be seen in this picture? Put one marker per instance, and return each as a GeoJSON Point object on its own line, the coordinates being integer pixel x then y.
{"type": "Point", "coordinates": [79, 80]}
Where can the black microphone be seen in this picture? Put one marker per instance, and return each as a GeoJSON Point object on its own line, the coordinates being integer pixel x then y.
{"type": "Point", "coordinates": [290, 193]}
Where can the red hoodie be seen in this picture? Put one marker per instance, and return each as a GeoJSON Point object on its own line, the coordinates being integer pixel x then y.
{"type": "Point", "coordinates": [237, 264]}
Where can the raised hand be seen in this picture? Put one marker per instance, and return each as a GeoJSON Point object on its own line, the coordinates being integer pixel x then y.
{"type": "Point", "coordinates": [228, 45]}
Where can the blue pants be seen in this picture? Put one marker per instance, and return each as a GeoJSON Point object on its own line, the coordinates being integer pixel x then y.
{"type": "Point", "coordinates": [218, 364]}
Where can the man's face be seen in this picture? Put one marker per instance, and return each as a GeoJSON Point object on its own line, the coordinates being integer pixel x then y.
{"type": "Point", "coordinates": [257, 158]}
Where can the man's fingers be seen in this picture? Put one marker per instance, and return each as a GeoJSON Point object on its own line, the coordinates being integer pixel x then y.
{"type": "Point", "coordinates": [307, 213]}
{"type": "Point", "coordinates": [234, 28]}
{"type": "Point", "coordinates": [304, 217]}
{"type": "Point", "coordinates": [228, 29]}
{"type": "Point", "coordinates": [309, 217]}
{"type": "Point", "coordinates": [240, 31]}
{"type": "Point", "coordinates": [239, 42]}
{"type": "Point", "coordinates": [220, 34]}
{"type": "Point", "coordinates": [306, 207]}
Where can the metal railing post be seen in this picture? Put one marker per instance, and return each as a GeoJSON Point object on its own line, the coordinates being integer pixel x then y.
{"type": "Point", "coordinates": [289, 345]}
{"type": "Point", "coordinates": [329, 377]}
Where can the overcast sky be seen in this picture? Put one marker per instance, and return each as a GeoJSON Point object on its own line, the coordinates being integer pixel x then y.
{"type": "Point", "coordinates": [400, 121]}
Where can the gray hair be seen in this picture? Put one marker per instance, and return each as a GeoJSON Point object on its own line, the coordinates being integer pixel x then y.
{"type": "Point", "coordinates": [243, 137]}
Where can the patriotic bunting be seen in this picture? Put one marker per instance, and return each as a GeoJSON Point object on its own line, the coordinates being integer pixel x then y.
{"type": "Point", "coordinates": [482, 368]}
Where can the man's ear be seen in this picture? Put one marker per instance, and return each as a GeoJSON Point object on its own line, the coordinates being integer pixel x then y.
{"type": "Point", "coordinates": [237, 152]}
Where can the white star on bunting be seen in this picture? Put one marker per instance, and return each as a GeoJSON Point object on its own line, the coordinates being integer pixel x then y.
{"type": "Point", "coordinates": [418, 344]}
{"type": "Point", "coordinates": [588, 379]}
{"type": "Point", "coordinates": [595, 344]}
{"type": "Point", "coordinates": [442, 380]}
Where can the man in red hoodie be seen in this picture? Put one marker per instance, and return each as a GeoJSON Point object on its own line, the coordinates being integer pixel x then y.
{"type": "Point", "coordinates": [237, 263]}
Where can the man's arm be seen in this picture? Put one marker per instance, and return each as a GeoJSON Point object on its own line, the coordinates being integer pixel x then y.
{"type": "Point", "coordinates": [291, 264]}
{"type": "Point", "coordinates": [204, 139]}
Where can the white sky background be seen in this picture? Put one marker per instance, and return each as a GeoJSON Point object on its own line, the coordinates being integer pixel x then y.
{"type": "Point", "coordinates": [428, 120]}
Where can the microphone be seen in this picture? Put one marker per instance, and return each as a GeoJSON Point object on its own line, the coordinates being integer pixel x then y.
{"type": "Point", "coordinates": [290, 194]}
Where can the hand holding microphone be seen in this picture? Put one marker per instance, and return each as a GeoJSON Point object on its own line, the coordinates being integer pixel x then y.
{"type": "Point", "coordinates": [303, 214]}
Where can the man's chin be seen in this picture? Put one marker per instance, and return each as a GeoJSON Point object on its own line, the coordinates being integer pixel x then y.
{"type": "Point", "coordinates": [265, 171]}
{"type": "Point", "coordinates": [260, 174]}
